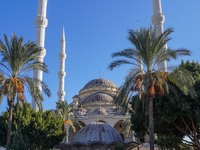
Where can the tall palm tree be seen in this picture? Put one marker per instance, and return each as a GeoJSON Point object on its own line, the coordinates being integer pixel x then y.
{"type": "Point", "coordinates": [17, 62]}
{"type": "Point", "coordinates": [149, 80]}
{"type": "Point", "coordinates": [69, 118]}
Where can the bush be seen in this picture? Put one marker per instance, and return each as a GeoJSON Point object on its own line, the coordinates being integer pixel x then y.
{"type": "Point", "coordinates": [31, 129]}
{"type": "Point", "coordinates": [119, 147]}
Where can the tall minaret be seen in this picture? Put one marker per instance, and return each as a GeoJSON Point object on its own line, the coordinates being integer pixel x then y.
{"type": "Point", "coordinates": [158, 19]}
{"type": "Point", "coordinates": [41, 24]}
{"type": "Point", "coordinates": [62, 73]}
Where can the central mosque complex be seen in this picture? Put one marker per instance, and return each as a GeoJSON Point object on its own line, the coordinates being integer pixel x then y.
{"type": "Point", "coordinates": [94, 105]}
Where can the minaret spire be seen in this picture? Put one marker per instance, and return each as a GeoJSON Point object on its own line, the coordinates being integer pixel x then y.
{"type": "Point", "coordinates": [62, 73]}
{"type": "Point", "coordinates": [138, 29]}
{"type": "Point", "coordinates": [41, 24]}
{"type": "Point", "coordinates": [63, 34]}
{"type": "Point", "coordinates": [158, 19]}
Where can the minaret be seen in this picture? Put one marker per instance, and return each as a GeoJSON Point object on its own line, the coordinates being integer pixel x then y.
{"type": "Point", "coordinates": [158, 19]}
{"type": "Point", "coordinates": [62, 73]}
{"type": "Point", "coordinates": [41, 24]}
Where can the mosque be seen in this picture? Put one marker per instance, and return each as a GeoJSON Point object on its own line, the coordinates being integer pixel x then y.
{"type": "Point", "coordinates": [94, 105]}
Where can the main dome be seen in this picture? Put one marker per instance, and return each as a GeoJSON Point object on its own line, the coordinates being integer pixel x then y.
{"type": "Point", "coordinates": [100, 82]}
{"type": "Point", "coordinates": [97, 132]}
{"type": "Point", "coordinates": [98, 98]}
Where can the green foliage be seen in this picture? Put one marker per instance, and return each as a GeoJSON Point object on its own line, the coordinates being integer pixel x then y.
{"type": "Point", "coordinates": [149, 54]}
{"type": "Point", "coordinates": [119, 147]}
{"type": "Point", "coordinates": [19, 142]}
{"type": "Point", "coordinates": [193, 67]}
{"type": "Point", "coordinates": [17, 60]}
{"type": "Point", "coordinates": [174, 114]}
{"type": "Point", "coordinates": [65, 110]}
{"type": "Point", "coordinates": [139, 119]}
{"type": "Point", "coordinates": [31, 129]}
{"type": "Point", "coordinates": [169, 142]}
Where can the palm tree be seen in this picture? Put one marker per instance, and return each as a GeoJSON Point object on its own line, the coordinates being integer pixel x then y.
{"type": "Point", "coordinates": [65, 111]}
{"type": "Point", "coordinates": [18, 60]}
{"type": "Point", "coordinates": [149, 80]}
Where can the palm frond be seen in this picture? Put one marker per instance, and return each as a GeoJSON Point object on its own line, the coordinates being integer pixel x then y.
{"type": "Point", "coordinates": [122, 98]}
{"type": "Point", "coordinates": [3, 71]}
{"type": "Point", "coordinates": [126, 126]}
{"type": "Point", "coordinates": [150, 50]}
{"type": "Point", "coordinates": [33, 89]}
{"type": "Point", "coordinates": [118, 63]}
{"type": "Point", "coordinates": [128, 53]}
{"type": "Point", "coordinates": [33, 66]}
{"type": "Point", "coordinates": [1, 93]}
{"type": "Point", "coordinates": [183, 79]}
{"type": "Point", "coordinates": [19, 58]}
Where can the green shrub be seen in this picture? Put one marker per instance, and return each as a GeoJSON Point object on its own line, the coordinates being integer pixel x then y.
{"type": "Point", "coordinates": [119, 147]}
{"type": "Point", "coordinates": [31, 129]}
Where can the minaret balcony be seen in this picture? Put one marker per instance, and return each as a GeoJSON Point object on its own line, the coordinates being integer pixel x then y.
{"type": "Point", "coordinates": [61, 93]}
{"type": "Point", "coordinates": [41, 21]}
{"type": "Point", "coordinates": [62, 55]}
{"type": "Point", "coordinates": [42, 53]}
{"type": "Point", "coordinates": [158, 18]}
{"type": "Point", "coordinates": [61, 73]}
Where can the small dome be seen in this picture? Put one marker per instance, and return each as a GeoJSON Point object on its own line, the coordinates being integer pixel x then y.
{"type": "Point", "coordinates": [100, 82]}
{"type": "Point", "coordinates": [97, 132]}
{"type": "Point", "coordinates": [100, 111]}
{"type": "Point", "coordinates": [98, 98]}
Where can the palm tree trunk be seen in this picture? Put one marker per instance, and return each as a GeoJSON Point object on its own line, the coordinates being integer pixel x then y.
{"type": "Point", "coordinates": [151, 124]}
{"type": "Point", "coordinates": [67, 138]}
{"type": "Point", "coordinates": [67, 132]}
{"type": "Point", "coordinates": [9, 124]}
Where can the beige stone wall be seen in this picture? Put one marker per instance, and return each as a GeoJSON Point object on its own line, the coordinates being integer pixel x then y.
{"type": "Point", "coordinates": [118, 127]}
{"type": "Point", "coordinates": [92, 107]}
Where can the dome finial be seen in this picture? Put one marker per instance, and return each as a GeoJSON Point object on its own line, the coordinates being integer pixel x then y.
{"type": "Point", "coordinates": [99, 74]}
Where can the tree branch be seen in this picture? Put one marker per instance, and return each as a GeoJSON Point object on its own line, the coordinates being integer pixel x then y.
{"type": "Point", "coordinates": [183, 131]}
{"type": "Point", "coordinates": [186, 124]}
{"type": "Point", "coordinates": [195, 136]}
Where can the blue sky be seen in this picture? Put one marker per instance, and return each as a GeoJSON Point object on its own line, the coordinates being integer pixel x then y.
{"type": "Point", "coordinates": [94, 30]}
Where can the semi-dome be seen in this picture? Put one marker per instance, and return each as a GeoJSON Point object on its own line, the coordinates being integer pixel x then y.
{"type": "Point", "coordinates": [100, 82]}
{"type": "Point", "coordinates": [98, 98]}
{"type": "Point", "coordinates": [100, 111]}
{"type": "Point", "coordinates": [97, 132]}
